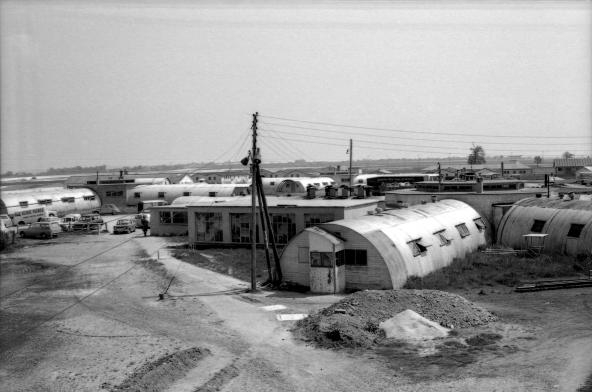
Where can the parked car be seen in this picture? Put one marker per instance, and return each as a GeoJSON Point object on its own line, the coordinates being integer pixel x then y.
{"type": "Point", "coordinates": [41, 230]}
{"type": "Point", "coordinates": [67, 221]}
{"type": "Point", "coordinates": [138, 219]}
{"type": "Point", "coordinates": [124, 226]}
{"type": "Point", "coordinates": [109, 209]}
{"type": "Point", "coordinates": [88, 222]}
{"type": "Point", "coordinates": [49, 219]}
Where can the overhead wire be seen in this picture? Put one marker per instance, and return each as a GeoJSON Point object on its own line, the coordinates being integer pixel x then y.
{"type": "Point", "coordinates": [377, 146]}
{"type": "Point", "coordinates": [497, 135]}
{"type": "Point", "coordinates": [391, 137]}
{"type": "Point", "coordinates": [380, 143]}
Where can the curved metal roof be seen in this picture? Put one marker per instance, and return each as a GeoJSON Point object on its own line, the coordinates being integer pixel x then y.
{"type": "Point", "coordinates": [585, 205]}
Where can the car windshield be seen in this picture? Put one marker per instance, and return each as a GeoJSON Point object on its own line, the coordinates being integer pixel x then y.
{"type": "Point", "coordinates": [122, 222]}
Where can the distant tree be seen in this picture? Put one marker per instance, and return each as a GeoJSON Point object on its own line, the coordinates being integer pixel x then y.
{"type": "Point", "coordinates": [538, 160]}
{"type": "Point", "coordinates": [477, 156]}
{"type": "Point", "coordinates": [567, 155]}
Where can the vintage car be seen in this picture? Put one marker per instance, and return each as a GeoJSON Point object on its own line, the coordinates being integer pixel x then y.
{"type": "Point", "coordinates": [41, 230]}
{"type": "Point", "coordinates": [88, 222]}
{"type": "Point", "coordinates": [111, 209]}
{"type": "Point", "coordinates": [124, 226]}
{"type": "Point", "coordinates": [67, 221]}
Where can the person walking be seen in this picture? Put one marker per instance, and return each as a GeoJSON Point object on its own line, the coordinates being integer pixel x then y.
{"type": "Point", "coordinates": [145, 225]}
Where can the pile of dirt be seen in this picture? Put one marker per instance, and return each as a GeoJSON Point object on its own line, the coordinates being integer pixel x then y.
{"type": "Point", "coordinates": [353, 322]}
{"type": "Point", "coordinates": [157, 375]}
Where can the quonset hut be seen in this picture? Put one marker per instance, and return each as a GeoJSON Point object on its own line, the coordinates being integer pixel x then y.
{"type": "Point", "coordinates": [28, 205]}
{"type": "Point", "coordinates": [383, 249]}
{"type": "Point", "coordinates": [566, 223]}
{"type": "Point", "coordinates": [170, 192]}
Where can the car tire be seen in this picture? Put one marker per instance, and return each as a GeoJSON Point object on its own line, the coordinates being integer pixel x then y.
{"type": "Point", "coordinates": [44, 236]}
{"type": "Point", "coordinates": [22, 234]}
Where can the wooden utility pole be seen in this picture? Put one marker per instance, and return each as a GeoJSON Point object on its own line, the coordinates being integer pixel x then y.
{"type": "Point", "coordinates": [351, 153]}
{"type": "Point", "coordinates": [254, 163]}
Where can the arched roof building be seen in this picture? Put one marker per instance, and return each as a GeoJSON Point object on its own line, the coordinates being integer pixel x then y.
{"type": "Point", "coordinates": [170, 192]}
{"type": "Point", "coordinates": [27, 205]}
{"type": "Point", "coordinates": [298, 185]}
{"type": "Point", "coordinates": [382, 250]}
{"type": "Point", "coordinates": [566, 223]}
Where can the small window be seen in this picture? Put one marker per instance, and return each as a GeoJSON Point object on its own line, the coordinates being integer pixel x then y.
{"type": "Point", "coordinates": [161, 195]}
{"type": "Point", "coordinates": [68, 199]}
{"type": "Point", "coordinates": [537, 226]}
{"type": "Point", "coordinates": [165, 217]}
{"type": "Point", "coordinates": [444, 240]}
{"type": "Point", "coordinates": [479, 223]}
{"type": "Point", "coordinates": [355, 257]}
{"type": "Point", "coordinates": [136, 195]}
{"type": "Point", "coordinates": [417, 247]}
{"type": "Point", "coordinates": [463, 230]}
{"type": "Point", "coordinates": [272, 183]}
{"type": "Point", "coordinates": [24, 204]}
{"type": "Point", "coordinates": [212, 194]}
{"type": "Point", "coordinates": [320, 259]}
{"type": "Point", "coordinates": [186, 193]}
{"type": "Point", "coordinates": [303, 256]}
{"type": "Point", "coordinates": [44, 201]}
{"type": "Point", "coordinates": [89, 197]}
{"type": "Point", "coordinates": [575, 230]}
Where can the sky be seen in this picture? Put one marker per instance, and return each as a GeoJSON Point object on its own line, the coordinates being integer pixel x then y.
{"type": "Point", "coordinates": [126, 83]}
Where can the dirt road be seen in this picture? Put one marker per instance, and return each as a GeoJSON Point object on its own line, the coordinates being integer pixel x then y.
{"type": "Point", "coordinates": [82, 314]}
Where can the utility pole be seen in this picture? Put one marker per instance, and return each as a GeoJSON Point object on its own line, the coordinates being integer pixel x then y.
{"type": "Point", "coordinates": [254, 163]}
{"type": "Point", "coordinates": [439, 178]}
{"type": "Point", "coordinates": [351, 153]}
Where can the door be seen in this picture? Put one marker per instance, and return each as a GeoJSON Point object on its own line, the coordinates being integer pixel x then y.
{"type": "Point", "coordinates": [322, 272]}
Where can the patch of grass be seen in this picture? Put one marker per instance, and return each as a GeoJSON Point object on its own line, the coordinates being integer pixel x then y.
{"type": "Point", "coordinates": [480, 269]}
{"type": "Point", "coordinates": [234, 262]}
{"type": "Point", "coordinates": [587, 387]}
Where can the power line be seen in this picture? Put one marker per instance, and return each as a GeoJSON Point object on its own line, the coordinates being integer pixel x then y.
{"type": "Point", "coordinates": [380, 143]}
{"type": "Point", "coordinates": [392, 149]}
{"type": "Point", "coordinates": [418, 132]}
{"type": "Point", "coordinates": [396, 137]}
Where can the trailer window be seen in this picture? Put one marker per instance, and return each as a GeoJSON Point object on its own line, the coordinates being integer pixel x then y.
{"type": "Point", "coordinates": [24, 204]}
{"type": "Point", "coordinates": [161, 195]}
{"type": "Point", "coordinates": [355, 257]}
{"type": "Point", "coordinates": [136, 195]}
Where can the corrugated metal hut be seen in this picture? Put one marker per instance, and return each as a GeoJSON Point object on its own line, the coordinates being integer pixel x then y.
{"type": "Point", "coordinates": [170, 192]}
{"type": "Point", "coordinates": [381, 250]}
{"type": "Point", "coordinates": [27, 205]}
{"type": "Point", "coordinates": [298, 186]}
{"type": "Point", "coordinates": [567, 223]}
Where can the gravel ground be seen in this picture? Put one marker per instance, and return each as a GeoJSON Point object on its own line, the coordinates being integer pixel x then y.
{"type": "Point", "coordinates": [353, 321]}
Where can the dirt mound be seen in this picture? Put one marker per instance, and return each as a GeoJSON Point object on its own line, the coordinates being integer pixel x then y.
{"type": "Point", "coordinates": [353, 322]}
{"type": "Point", "coordinates": [157, 375]}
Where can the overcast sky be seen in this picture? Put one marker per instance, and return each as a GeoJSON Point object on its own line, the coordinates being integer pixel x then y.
{"type": "Point", "coordinates": [128, 83]}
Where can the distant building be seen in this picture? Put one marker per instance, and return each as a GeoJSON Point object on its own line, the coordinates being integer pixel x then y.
{"type": "Point", "coordinates": [227, 222]}
{"type": "Point", "coordinates": [584, 174]}
{"type": "Point", "coordinates": [112, 188]}
{"type": "Point", "coordinates": [296, 172]}
{"type": "Point", "coordinates": [340, 174]}
{"type": "Point", "coordinates": [567, 168]}
{"type": "Point", "coordinates": [511, 169]}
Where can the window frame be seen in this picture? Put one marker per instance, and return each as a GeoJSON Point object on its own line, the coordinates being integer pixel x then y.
{"type": "Point", "coordinates": [463, 230]}
{"type": "Point", "coordinates": [444, 240]}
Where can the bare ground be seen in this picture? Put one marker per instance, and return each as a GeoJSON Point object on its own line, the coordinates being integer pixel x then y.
{"type": "Point", "coordinates": [95, 325]}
